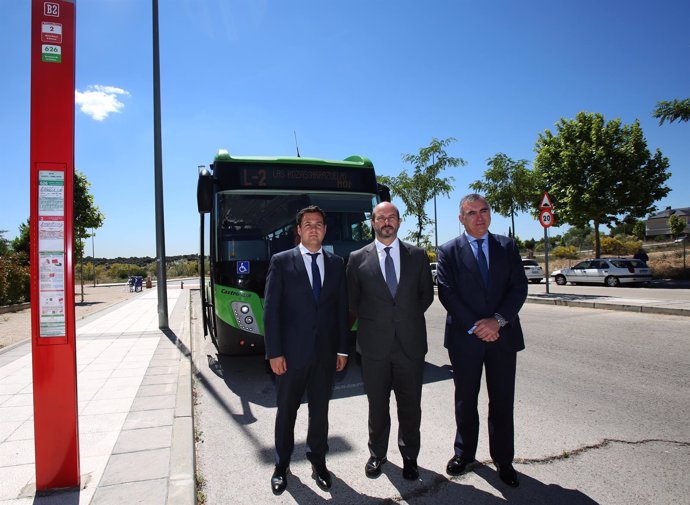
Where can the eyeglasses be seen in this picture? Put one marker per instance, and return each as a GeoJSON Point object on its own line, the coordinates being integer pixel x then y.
{"type": "Point", "coordinates": [386, 219]}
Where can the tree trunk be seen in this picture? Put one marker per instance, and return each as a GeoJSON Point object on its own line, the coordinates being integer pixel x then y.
{"type": "Point", "coordinates": [597, 242]}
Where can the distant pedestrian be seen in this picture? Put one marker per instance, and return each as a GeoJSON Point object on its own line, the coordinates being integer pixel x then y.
{"type": "Point", "coordinates": [641, 255]}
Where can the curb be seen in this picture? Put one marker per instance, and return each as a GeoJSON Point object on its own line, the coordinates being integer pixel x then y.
{"type": "Point", "coordinates": [671, 311]}
{"type": "Point", "coordinates": [181, 483]}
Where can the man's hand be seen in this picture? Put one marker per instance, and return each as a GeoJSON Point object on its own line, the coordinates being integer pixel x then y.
{"type": "Point", "coordinates": [278, 365]}
{"type": "Point", "coordinates": [340, 362]}
{"type": "Point", "coordinates": [487, 329]}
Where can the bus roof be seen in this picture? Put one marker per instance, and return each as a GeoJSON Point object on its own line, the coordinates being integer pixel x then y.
{"type": "Point", "coordinates": [223, 155]}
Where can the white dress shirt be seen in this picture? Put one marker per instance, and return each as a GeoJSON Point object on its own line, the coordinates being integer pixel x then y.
{"type": "Point", "coordinates": [307, 262]}
{"type": "Point", "coordinates": [394, 253]}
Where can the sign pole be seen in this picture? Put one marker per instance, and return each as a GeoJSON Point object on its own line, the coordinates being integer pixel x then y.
{"type": "Point", "coordinates": [546, 256]}
{"type": "Point", "coordinates": [546, 220]}
{"type": "Point", "coordinates": [51, 228]}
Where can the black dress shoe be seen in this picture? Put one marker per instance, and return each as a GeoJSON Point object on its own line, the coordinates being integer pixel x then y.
{"type": "Point", "coordinates": [410, 470]}
{"type": "Point", "coordinates": [508, 475]}
{"type": "Point", "coordinates": [373, 467]}
{"type": "Point", "coordinates": [322, 476]}
{"type": "Point", "coordinates": [279, 480]}
{"type": "Point", "coordinates": [457, 465]}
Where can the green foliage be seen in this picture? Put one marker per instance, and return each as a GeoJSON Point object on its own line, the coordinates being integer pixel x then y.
{"type": "Point", "coordinates": [182, 268]}
{"type": "Point", "coordinates": [424, 184]}
{"type": "Point", "coordinates": [578, 236]}
{"type": "Point", "coordinates": [20, 244]}
{"type": "Point", "coordinates": [565, 252]}
{"type": "Point", "coordinates": [509, 187]}
{"type": "Point", "coordinates": [87, 216]}
{"type": "Point", "coordinates": [639, 230]}
{"type": "Point", "coordinates": [624, 226]}
{"type": "Point", "coordinates": [14, 279]}
{"type": "Point", "coordinates": [672, 110]}
{"type": "Point", "coordinates": [596, 171]}
{"type": "Point", "coordinates": [121, 271]}
{"type": "Point", "coordinates": [619, 246]}
{"type": "Point", "coordinates": [676, 224]}
{"type": "Point", "coordinates": [4, 244]}
{"type": "Point", "coordinates": [530, 244]}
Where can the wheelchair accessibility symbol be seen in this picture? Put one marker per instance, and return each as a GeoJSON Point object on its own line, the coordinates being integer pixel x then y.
{"type": "Point", "coordinates": [242, 267]}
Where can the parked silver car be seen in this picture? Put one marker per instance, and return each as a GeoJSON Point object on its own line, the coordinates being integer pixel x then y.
{"type": "Point", "coordinates": [608, 271]}
{"type": "Point", "coordinates": [533, 271]}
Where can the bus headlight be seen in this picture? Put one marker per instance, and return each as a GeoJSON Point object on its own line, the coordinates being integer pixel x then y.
{"type": "Point", "coordinates": [244, 317]}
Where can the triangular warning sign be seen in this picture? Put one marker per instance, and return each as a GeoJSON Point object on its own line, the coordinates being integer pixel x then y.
{"type": "Point", "coordinates": [545, 202]}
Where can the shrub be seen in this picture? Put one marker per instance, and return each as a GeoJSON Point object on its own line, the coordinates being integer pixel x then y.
{"type": "Point", "coordinates": [619, 246]}
{"type": "Point", "coordinates": [14, 279]}
{"type": "Point", "coordinates": [566, 252]}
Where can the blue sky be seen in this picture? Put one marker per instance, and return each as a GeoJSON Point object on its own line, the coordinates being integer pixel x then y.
{"type": "Point", "coordinates": [369, 77]}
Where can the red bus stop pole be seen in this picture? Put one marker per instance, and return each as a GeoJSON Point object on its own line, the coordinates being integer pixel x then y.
{"type": "Point", "coordinates": [53, 343]}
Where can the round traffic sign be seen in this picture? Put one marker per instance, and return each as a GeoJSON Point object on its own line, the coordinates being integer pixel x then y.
{"type": "Point", "coordinates": [546, 218]}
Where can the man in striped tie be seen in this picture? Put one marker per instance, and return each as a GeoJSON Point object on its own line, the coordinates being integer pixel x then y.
{"type": "Point", "coordinates": [389, 289]}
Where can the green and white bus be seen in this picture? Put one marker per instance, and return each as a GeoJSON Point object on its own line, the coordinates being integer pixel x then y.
{"type": "Point", "coordinates": [252, 203]}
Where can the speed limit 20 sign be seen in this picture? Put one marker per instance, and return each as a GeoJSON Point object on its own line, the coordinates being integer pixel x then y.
{"type": "Point", "coordinates": [545, 217]}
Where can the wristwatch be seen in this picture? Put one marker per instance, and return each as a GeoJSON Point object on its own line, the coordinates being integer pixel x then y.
{"type": "Point", "coordinates": [501, 320]}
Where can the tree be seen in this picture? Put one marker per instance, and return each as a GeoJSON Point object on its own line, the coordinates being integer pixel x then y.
{"type": "Point", "coordinates": [639, 230]}
{"type": "Point", "coordinates": [624, 226]}
{"type": "Point", "coordinates": [424, 184]}
{"type": "Point", "coordinates": [672, 110]}
{"type": "Point", "coordinates": [20, 244]}
{"type": "Point", "coordinates": [676, 225]}
{"type": "Point", "coordinates": [4, 244]}
{"type": "Point", "coordinates": [578, 236]}
{"type": "Point", "coordinates": [87, 217]}
{"type": "Point", "coordinates": [596, 171]}
{"type": "Point", "coordinates": [509, 187]}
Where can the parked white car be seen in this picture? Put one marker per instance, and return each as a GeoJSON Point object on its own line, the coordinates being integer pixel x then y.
{"type": "Point", "coordinates": [433, 271]}
{"type": "Point", "coordinates": [533, 271]}
{"type": "Point", "coordinates": [608, 271]}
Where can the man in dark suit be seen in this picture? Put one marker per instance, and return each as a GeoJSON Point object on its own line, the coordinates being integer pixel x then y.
{"type": "Point", "coordinates": [482, 285]}
{"type": "Point", "coordinates": [305, 316]}
{"type": "Point", "coordinates": [389, 289]}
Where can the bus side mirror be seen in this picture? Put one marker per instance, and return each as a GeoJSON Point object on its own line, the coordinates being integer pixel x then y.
{"type": "Point", "coordinates": [204, 192]}
{"type": "Point", "coordinates": [384, 192]}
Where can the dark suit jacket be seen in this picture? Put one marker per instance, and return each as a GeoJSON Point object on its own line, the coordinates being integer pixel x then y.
{"type": "Point", "coordinates": [295, 325]}
{"type": "Point", "coordinates": [381, 316]}
{"type": "Point", "coordinates": [463, 294]}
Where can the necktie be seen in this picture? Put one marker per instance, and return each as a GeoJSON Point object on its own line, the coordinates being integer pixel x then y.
{"type": "Point", "coordinates": [315, 276]}
{"type": "Point", "coordinates": [391, 278]}
{"type": "Point", "coordinates": [481, 261]}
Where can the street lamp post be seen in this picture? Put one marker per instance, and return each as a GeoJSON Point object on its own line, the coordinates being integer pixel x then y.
{"type": "Point", "coordinates": [93, 255]}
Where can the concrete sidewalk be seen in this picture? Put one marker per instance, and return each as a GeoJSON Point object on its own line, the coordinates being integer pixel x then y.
{"type": "Point", "coordinates": [136, 435]}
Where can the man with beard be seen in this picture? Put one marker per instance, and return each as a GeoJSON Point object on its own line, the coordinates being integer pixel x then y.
{"type": "Point", "coordinates": [389, 289]}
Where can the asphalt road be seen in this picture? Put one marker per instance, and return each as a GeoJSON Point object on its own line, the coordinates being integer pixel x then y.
{"type": "Point", "coordinates": [602, 416]}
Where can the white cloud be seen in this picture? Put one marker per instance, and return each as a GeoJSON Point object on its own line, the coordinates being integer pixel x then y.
{"type": "Point", "coordinates": [100, 101]}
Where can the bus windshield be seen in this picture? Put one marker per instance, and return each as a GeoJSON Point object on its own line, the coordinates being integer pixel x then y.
{"type": "Point", "coordinates": [255, 225]}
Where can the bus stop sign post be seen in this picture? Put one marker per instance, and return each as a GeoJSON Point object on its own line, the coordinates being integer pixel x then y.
{"type": "Point", "coordinates": [53, 344]}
